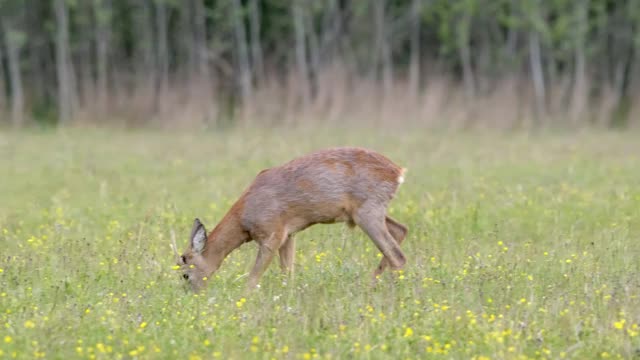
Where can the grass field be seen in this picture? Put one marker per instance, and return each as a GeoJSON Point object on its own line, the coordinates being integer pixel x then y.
{"type": "Point", "coordinates": [520, 246]}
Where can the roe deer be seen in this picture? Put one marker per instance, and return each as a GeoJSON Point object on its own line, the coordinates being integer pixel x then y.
{"type": "Point", "coordinates": [352, 185]}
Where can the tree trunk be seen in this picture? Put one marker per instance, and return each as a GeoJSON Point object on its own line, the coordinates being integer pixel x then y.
{"type": "Point", "coordinates": [510, 47]}
{"type": "Point", "coordinates": [85, 80]}
{"type": "Point", "coordinates": [464, 52]}
{"type": "Point", "coordinates": [201, 86]}
{"type": "Point", "coordinates": [580, 90]}
{"type": "Point", "coordinates": [3, 86]}
{"type": "Point", "coordinates": [384, 51]}
{"type": "Point", "coordinates": [414, 63]}
{"type": "Point", "coordinates": [256, 45]}
{"type": "Point", "coordinates": [301, 51]}
{"type": "Point", "coordinates": [162, 56]}
{"type": "Point", "coordinates": [67, 96]}
{"type": "Point", "coordinates": [41, 84]}
{"type": "Point", "coordinates": [537, 74]}
{"type": "Point", "coordinates": [314, 54]}
{"type": "Point", "coordinates": [189, 39]}
{"type": "Point", "coordinates": [102, 15]}
{"type": "Point", "coordinates": [326, 35]}
{"type": "Point", "coordinates": [200, 32]}
{"type": "Point", "coordinates": [634, 88]}
{"type": "Point", "coordinates": [579, 93]}
{"type": "Point", "coordinates": [332, 25]}
{"type": "Point", "coordinates": [143, 44]}
{"type": "Point", "coordinates": [242, 53]}
{"type": "Point", "coordinates": [13, 40]}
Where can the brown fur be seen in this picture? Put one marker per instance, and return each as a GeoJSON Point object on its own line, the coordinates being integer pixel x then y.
{"type": "Point", "coordinates": [351, 185]}
{"type": "Point", "coordinates": [305, 185]}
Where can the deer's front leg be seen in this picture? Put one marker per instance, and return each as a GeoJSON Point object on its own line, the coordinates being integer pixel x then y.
{"type": "Point", "coordinates": [266, 251]}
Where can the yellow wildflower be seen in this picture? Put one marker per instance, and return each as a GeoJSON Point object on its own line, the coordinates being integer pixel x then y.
{"type": "Point", "coordinates": [408, 332]}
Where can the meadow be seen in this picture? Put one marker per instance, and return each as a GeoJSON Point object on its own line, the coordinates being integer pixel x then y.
{"type": "Point", "coordinates": [520, 246]}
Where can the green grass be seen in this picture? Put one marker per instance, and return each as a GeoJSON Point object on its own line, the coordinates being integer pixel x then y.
{"type": "Point", "coordinates": [520, 246]}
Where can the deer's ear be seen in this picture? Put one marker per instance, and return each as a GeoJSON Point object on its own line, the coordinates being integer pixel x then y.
{"type": "Point", "coordinates": [198, 236]}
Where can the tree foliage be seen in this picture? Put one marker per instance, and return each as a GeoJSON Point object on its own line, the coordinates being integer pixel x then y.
{"type": "Point", "coordinates": [232, 48]}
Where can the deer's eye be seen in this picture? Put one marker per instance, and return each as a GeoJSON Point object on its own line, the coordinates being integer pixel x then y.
{"type": "Point", "coordinates": [185, 276]}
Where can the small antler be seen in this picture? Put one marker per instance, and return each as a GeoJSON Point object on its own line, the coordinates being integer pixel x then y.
{"type": "Point", "coordinates": [174, 246]}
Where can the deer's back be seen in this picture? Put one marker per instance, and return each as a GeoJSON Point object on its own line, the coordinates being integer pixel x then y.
{"type": "Point", "coordinates": [322, 187]}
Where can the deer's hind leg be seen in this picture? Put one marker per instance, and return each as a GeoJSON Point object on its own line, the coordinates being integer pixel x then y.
{"type": "Point", "coordinates": [399, 233]}
{"type": "Point", "coordinates": [372, 220]}
{"type": "Point", "coordinates": [287, 252]}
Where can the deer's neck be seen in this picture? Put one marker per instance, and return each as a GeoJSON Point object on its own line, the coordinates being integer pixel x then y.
{"type": "Point", "coordinates": [227, 236]}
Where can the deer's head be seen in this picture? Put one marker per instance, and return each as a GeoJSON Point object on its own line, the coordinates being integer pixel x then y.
{"type": "Point", "coordinates": [192, 262]}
